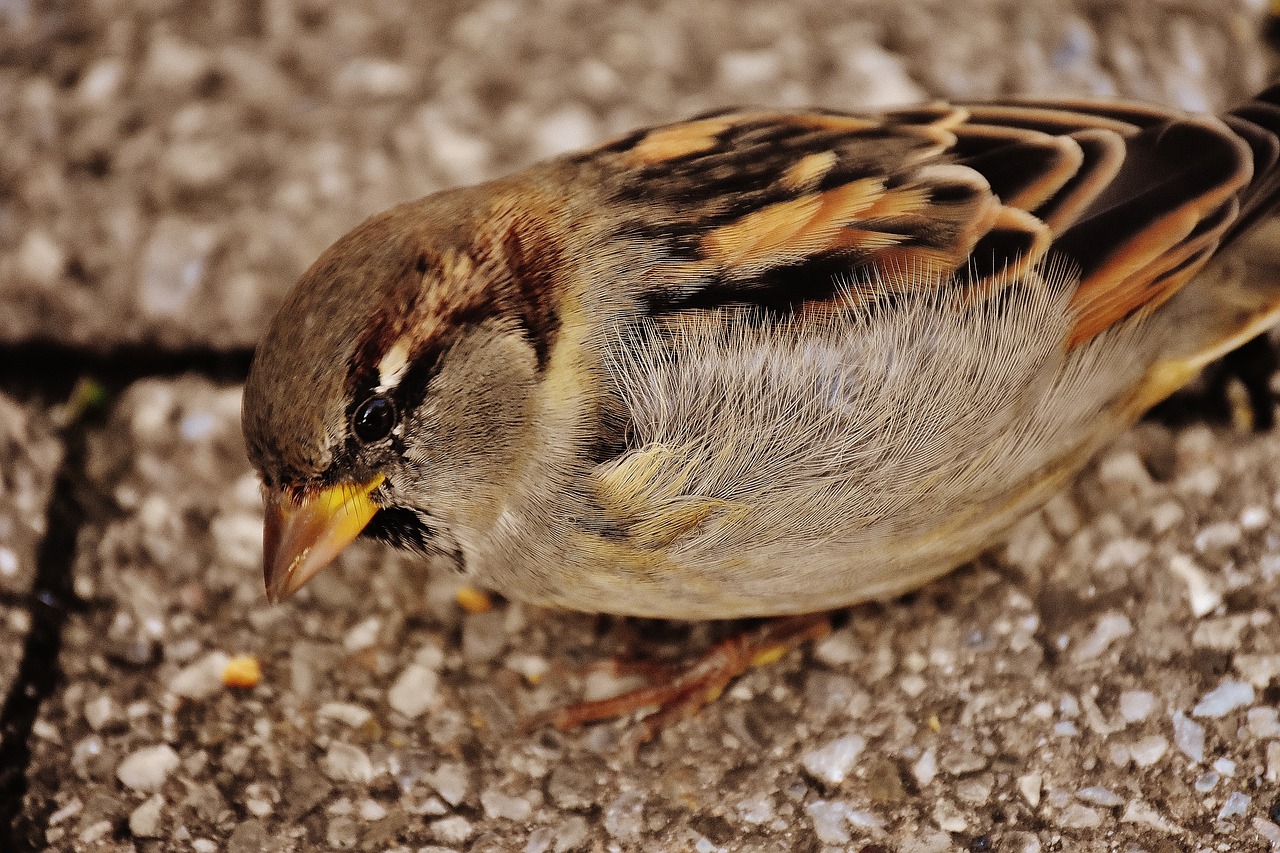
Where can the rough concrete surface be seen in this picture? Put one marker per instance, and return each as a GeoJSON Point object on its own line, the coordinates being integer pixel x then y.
{"type": "Point", "coordinates": [1108, 680]}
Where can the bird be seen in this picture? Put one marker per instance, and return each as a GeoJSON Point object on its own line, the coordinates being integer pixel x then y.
{"type": "Point", "coordinates": [756, 364]}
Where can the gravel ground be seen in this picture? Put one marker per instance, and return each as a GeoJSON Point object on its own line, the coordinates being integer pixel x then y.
{"type": "Point", "coordinates": [1109, 680]}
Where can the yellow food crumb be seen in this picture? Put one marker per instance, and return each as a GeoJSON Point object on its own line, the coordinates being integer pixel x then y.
{"type": "Point", "coordinates": [474, 600]}
{"type": "Point", "coordinates": [934, 723]}
{"type": "Point", "coordinates": [773, 654]}
{"type": "Point", "coordinates": [242, 671]}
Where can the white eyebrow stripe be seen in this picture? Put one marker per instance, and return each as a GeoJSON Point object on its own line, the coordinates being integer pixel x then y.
{"type": "Point", "coordinates": [392, 366]}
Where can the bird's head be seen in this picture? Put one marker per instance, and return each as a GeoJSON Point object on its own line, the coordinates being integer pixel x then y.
{"type": "Point", "coordinates": [394, 392]}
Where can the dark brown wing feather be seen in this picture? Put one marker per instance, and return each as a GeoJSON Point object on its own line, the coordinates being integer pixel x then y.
{"type": "Point", "coordinates": [782, 209]}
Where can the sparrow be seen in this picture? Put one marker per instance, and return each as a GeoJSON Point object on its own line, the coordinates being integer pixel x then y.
{"type": "Point", "coordinates": [757, 363]}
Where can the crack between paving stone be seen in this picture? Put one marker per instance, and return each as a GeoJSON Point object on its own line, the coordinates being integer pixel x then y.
{"type": "Point", "coordinates": [50, 602]}
{"type": "Point", "coordinates": [46, 372]}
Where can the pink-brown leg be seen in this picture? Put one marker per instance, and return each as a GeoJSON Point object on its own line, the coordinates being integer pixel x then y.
{"type": "Point", "coordinates": [681, 693]}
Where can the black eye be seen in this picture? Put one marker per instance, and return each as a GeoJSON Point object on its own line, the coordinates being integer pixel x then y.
{"type": "Point", "coordinates": [373, 419]}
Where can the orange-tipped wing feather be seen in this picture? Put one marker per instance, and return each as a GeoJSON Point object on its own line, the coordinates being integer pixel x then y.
{"type": "Point", "coordinates": [784, 209]}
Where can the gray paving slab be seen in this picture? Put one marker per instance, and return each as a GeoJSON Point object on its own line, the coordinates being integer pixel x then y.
{"type": "Point", "coordinates": [29, 458]}
{"type": "Point", "coordinates": [168, 170]}
{"type": "Point", "coordinates": [1106, 681]}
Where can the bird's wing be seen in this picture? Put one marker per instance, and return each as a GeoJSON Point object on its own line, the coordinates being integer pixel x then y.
{"type": "Point", "coordinates": [782, 210]}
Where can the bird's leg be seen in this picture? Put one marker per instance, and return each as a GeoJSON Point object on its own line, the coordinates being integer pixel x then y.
{"type": "Point", "coordinates": [681, 692]}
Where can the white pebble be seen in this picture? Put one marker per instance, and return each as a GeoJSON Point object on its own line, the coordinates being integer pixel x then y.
{"type": "Point", "coordinates": [1099, 796]}
{"type": "Point", "coordinates": [146, 769]}
{"type": "Point", "coordinates": [377, 78]}
{"type": "Point", "coordinates": [1254, 517]}
{"type": "Point", "coordinates": [101, 82]}
{"type": "Point", "coordinates": [1123, 472]}
{"type": "Point", "coordinates": [363, 635]}
{"type": "Point", "coordinates": [1139, 812]}
{"type": "Point", "coordinates": [40, 260]}
{"type": "Point", "coordinates": [1188, 736]}
{"type": "Point", "coordinates": [1030, 785]}
{"type": "Point", "coordinates": [346, 713]}
{"type": "Point", "coordinates": [1204, 482]}
{"type": "Point", "coordinates": [1264, 722]}
{"type": "Point", "coordinates": [567, 129]}
{"type": "Point", "coordinates": [912, 685]}
{"type": "Point", "coordinates": [880, 78]}
{"type": "Point", "coordinates": [531, 667]}
{"type": "Point", "coordinates": [414, 691]}
{"type": "Point", "coordinates": [144, 821]}
{"type": "Point", "coordinates": [450, 781]}
{"type": "Point", "coordinates": [237, 538]}
{"type": "Point", "coordinates": [1217, 537]}
{"type": "Point", "coordinates": [1076, 816]}
{"type": "Point", "coordinates": [948, 817]}
{"type": "Point", "coordinates": [452, 830]}
{"type": "Point", "coordinates": [1223, 699]}
{"type": "Point", "coordinates": [756, 809]}
{"type": "Point", "coordinates": [1165, 515]}
{"type": "Point", "coordinates": [829, 822]}
{"type": "Point", "coordinates": [832, 763]}
{"type": "Point", "coordinates": [1136, 705]}
{"type": "Point", "coordinates": [1126, 552]}
{"type": "Point", "coordinates": [1222, 633]}
{"type": "Point", "coordinates": [1111, 627]}
{"type": "Point", "coordinates": [838, 649]}
{"type": "Point", "coordinates": [1148, 750]}
{"type": "Point", "coordinates": [8, 562]}
{"type": "Point", "coordinates": [1235, 806]}
{"type": "Point", "coordinates": [498, 805]}
{"type": "Point", "coordinates": [201, 679]}
{"type": "Point", "coordinates": [1204, 598]}
{"type": "Point", "coordinates": [748, 67]}
{"type": "Point", "coordinates": [371, 810]}
{"type": "Point", "coordinates": [1062, 515]}
{"type": "Point", "coordinates": [624, 818]}
{"type": "Point", "coordinates": [1268, 830]}
{"type": "Point", "coordinates": [926, 767]}
{"type": "Point", "coordinates": [71, 809]}
{"type": "Point", "coordinates": [346, 763]}
{"type": "Point", "coordinates": [462, 155]}
{"type": "Point", "coordinates": [1258, 670]}
{"type": "Point", "coordinates": [101, 712]}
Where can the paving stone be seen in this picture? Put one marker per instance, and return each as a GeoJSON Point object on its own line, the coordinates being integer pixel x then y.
{"type": "Point", "coordinates": [1007, 729]}
{"type": "Point", "coordinates": [29, 457]}
{"type": "Point", "coordinates": [1043, 698]}
{"type": "Point", "coordinates": [166, 176]}
{"type": "Point", "coordinates": [30, 454]}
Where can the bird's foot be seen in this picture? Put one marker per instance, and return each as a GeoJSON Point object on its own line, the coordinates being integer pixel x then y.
{"type": "Point", "coordinates": [679, 692]}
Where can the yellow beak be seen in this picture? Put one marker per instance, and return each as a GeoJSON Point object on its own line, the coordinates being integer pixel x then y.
{"type": "Point", "coordinates": [301, 538]}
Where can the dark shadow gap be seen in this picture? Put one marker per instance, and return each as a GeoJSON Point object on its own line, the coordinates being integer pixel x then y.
{"type": "Point", "coordinates": [51, 600]}
{"type": "Point", "coordinates": [47, 370]}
